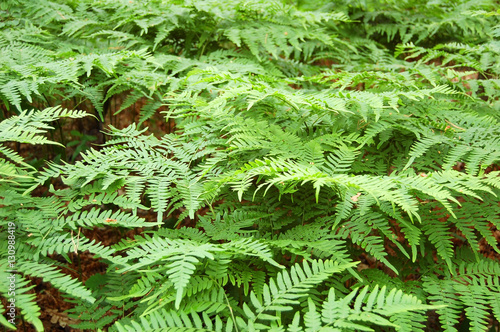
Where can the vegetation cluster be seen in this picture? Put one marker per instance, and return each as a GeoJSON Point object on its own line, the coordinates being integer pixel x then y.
{"type": "Point", "coordinates": [317, 165]}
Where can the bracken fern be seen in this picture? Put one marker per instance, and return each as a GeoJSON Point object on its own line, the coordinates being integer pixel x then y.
{"type": "Point", "coordinates": [332, 166]}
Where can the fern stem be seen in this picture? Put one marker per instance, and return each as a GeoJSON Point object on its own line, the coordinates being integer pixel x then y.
{"type": "Point", "coordinates": [202, 50]}
{"type": "Point", "coordinates": [230, 310]}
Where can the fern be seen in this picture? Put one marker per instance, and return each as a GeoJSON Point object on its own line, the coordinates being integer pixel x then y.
{"type": "Point", "coordinates": [327, 165]}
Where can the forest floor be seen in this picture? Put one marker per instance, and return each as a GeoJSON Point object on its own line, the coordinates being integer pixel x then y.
{"type": "Point", "coordinates": [52, 302]}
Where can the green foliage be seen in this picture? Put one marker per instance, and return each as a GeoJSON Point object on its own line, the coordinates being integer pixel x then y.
{"type": "Point", "coordinates": [329, 166]}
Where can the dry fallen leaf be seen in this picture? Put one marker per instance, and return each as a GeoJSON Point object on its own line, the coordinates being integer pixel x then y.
{"type": "Point", "coordinates": [355, 197]}
{"type": "Point", "coordinates": [60, 318]}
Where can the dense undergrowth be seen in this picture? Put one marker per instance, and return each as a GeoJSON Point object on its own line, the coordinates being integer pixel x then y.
{"type": "Point", "coordinates": [329, 166]}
